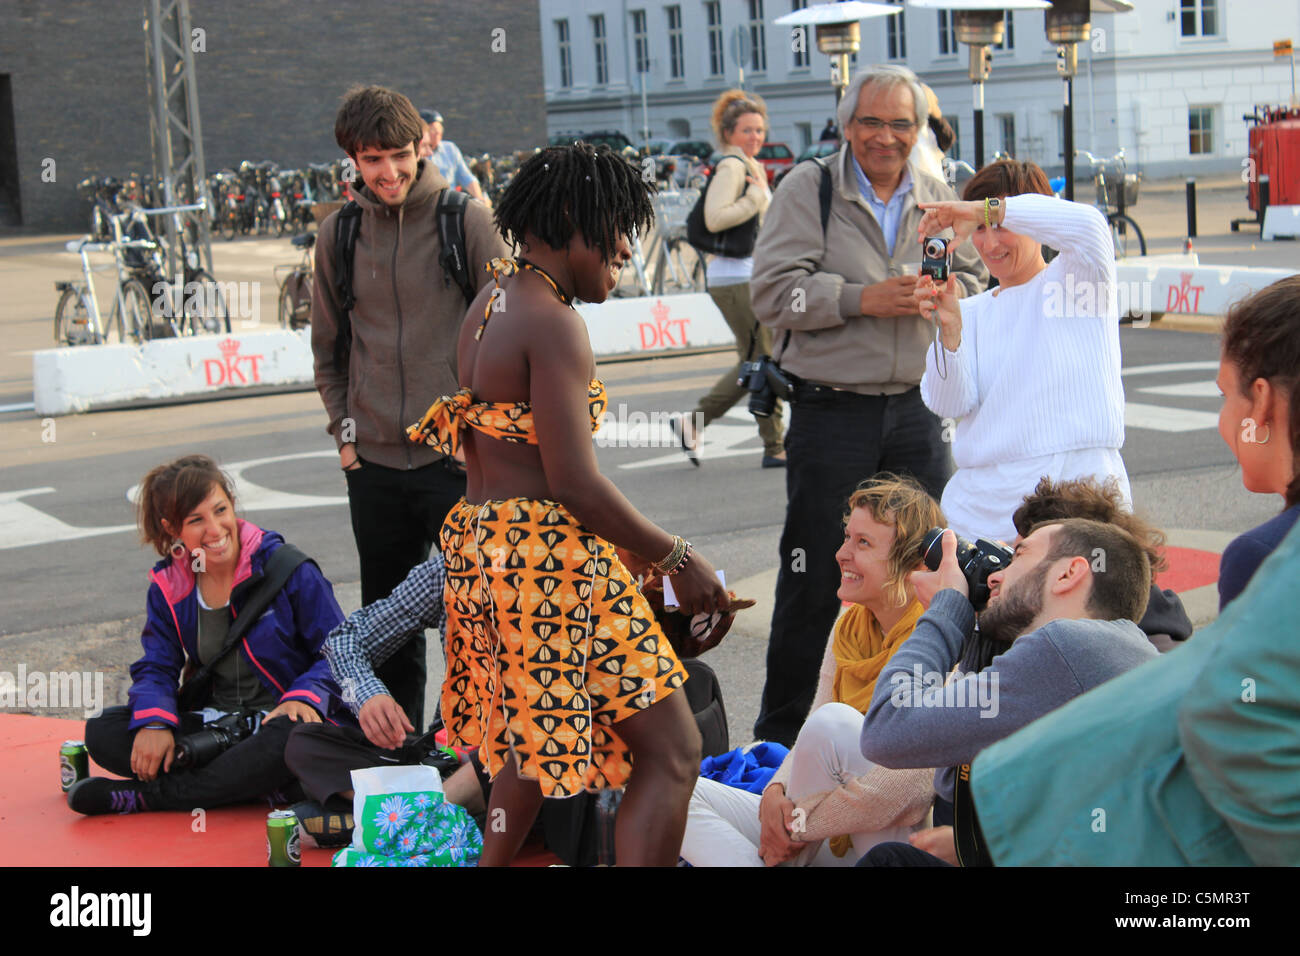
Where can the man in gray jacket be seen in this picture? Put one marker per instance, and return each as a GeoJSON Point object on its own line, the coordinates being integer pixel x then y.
{"type": "Point", "coordinates": [848, 331]}
{"type": "Point", "coordinates": [398, 354]}
{"type": "Point", "coordinates": [1063, 613]}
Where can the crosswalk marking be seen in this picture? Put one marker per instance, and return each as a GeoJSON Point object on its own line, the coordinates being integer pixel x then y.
{"type": "Point", "coordinates": [1185, 390]}
{"type": "Point", "coordinates": [1165, 419]}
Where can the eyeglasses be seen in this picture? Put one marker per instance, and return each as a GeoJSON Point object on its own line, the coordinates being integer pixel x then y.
{"type": "Point", "coordinates": [874, 125]}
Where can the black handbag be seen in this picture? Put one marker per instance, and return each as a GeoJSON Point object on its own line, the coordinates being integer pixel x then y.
{"type": "Point", "coordinates": [734, 243]}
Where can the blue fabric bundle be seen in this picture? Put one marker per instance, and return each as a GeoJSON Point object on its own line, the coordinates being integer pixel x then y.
{"type": "Point", "coordinates": [746, 768]}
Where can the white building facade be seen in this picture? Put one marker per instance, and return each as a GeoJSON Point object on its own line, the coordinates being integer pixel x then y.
{"type": "Point", "coordinates": [1169, 82]}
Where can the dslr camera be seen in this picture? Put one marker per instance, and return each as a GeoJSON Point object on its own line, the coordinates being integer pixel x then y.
{"type": "Point", "coordinates": [766, 383]}
{"type": "Point", "coordinates": [936, 259]}
{"type": "Point", "coordinates": [202, 747]}
{"type": "Point", "coordinates": [977, 561]}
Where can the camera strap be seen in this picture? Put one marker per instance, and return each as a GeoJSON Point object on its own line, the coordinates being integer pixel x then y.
{"type": "Point", "coordinates": [969, 839]}
{"type": "Point", "coordinates": [261, 592]}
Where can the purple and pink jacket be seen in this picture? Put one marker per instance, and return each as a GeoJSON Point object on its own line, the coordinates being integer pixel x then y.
{"type": "Point", "coordinates": [283, 646]}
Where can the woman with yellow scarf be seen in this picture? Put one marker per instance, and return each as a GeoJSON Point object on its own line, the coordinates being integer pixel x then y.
{"type": "Point", "coordinates": [827, 804]}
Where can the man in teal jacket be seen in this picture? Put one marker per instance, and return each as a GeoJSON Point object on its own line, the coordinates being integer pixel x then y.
{"type": "Point", "coordinates": [1191, 759]}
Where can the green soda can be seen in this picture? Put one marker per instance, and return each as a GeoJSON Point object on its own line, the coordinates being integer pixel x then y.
{"type": "Point", "coordinates": [282, 846]}
{"type": "Point", "coordinates": [74, 763]}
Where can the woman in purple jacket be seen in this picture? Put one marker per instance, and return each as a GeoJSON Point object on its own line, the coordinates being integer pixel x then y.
{"type": "Point", "coordinates": [276, 676]}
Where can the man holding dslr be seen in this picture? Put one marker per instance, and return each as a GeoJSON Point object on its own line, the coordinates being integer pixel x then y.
{"type": "Point", "coordinates": [1061, 618]}
{"type": "Point", "coordinates": [837, 290]}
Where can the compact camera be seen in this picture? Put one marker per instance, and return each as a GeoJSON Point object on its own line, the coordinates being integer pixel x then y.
{"type": "Point", "coordinates": [977, 561]}
{"type": "Point", "coordinates": [936, 259]}
{"type": "Point", "coordinates": [766, 383]}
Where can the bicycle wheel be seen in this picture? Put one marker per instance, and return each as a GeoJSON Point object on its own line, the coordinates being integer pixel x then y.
{"type": "Point", "coordinates": [72, 324]}
{"type": "Point", "coordinates": [206, 310]}
{"type": "Point", "coordinates": [132, 314]}
{"type": "Point", "coordinates": [672, 272]}
{"type": "Point", "coordinates": [1128, 237]}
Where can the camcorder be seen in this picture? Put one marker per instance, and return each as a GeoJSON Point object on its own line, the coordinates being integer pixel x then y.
{"type": "Point", "coordinates": [204, 746]}
{"type": "Point", "coordinates": [977, 561]}
{"type": "Point", "coordinates": [766, 383]}
{"type": "Point", "coordinates": [936, 259]}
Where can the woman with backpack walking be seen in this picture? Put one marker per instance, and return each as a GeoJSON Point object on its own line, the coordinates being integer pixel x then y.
{"type": "Point", "coordinates": [735, 199]}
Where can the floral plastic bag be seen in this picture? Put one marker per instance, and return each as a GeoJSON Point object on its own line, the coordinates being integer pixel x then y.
{"type": "Point", "coordinates": [403, 819]}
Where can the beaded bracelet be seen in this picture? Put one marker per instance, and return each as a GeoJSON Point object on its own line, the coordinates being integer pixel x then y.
{"type": "Point", "coordinates": [677, 558]}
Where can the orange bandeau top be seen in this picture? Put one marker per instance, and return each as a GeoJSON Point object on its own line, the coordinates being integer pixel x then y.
{"type": "Point", "coordinates": [507, 421]}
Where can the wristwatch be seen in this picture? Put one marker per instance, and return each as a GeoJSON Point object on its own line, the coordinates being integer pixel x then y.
{"type": "Point", "coordinates": [991, 206]}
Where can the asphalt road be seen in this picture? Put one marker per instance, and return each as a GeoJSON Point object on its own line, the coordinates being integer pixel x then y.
{"type": "Point", "coordinates": [74, 575]}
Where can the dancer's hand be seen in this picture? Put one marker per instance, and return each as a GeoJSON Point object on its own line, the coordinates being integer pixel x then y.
{"type": "Point", "coordinates": [698, 589]}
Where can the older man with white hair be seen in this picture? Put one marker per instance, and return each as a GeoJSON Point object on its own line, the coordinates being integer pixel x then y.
{"type": "Point", "coordinates": [834, 281]}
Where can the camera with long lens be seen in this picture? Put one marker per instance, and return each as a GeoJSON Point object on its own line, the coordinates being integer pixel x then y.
{"type": "Point", "coordinates": [977, 561]}
{"type": "Point", "coordinates": [204, 746]}
{"type": "Point", "coordinates": [766, 383]}
{"type": "Point", "coordinates": [936, 261]}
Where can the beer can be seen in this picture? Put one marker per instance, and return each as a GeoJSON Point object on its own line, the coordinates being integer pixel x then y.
{"type": "Point", "coordinates": [74, 763]}
{"type": "Point", "coordinates": [282, 841]}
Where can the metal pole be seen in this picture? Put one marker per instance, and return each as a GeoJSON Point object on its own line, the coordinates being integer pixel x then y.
{"type": "Point", "coordinates": [1191, 208]}
{"type": "Point", "coordinates": [1067, 121]}
{"type": "Point", "coordinates": [979, 125]}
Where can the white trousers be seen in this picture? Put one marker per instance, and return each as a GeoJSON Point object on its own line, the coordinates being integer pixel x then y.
{"type": "Point", "coordinates": [722, 826]}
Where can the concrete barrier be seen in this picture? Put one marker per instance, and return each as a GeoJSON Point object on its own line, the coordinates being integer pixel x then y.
{"type": "Point", "coordinates": [174, 371]}
{"type": "Point", "coordinates": [1182, 285]}
{"type": "Point", "coordinates": [1281, 222]}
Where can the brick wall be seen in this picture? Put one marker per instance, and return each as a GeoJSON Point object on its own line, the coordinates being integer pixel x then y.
{"type": "Point", "coordinates": [269, 82]}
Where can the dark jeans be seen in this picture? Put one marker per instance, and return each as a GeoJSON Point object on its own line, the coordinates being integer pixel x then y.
{"type": "Point", "coordinates": [832, 446]}
{"type": "Point", "coordinates": [250, 770]}
{"type": "Point", "coordinates": [899, 854]}
{"type": "Point", "coordinates": [396, 517]}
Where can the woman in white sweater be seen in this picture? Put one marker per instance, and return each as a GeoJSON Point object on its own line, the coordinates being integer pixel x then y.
{"type": "Point", "coordinates": [827, 804]}
{"type": "Point", "coordinates": [1031, 369]}
{"type": "Point", "coordinates": [737, 194]}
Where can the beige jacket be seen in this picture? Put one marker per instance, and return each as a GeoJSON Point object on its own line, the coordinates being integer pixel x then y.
{"type": "Point", "coordinates": [730, 199]}
{"type": "Point", "coordinates": [811, 284]}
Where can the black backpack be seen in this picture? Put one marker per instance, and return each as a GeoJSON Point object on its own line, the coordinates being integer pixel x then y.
{"type": "Point", "coordinates": [454, 260]}
{"type": "Point", "coordinates": [735, 243]}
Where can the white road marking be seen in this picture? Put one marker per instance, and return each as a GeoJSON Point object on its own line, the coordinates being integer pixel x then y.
{"type": "Point", "coordinates": [1164, 419]}
{"type": "Point", "coordinates": [1170, 367]}
{"type": "Point", "coordinates": [21, 525]}
{"type": "Point", "coordinates": [1185, 390]}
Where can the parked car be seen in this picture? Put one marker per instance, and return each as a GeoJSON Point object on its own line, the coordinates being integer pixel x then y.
{"type": "Point", "coordinates": [698, 148]}
{"type": "Point", "coordinates": [610, 137]}
{"type": "Point", "coordinates": [818, 150]}
{"type": "Point", "coordinates": [776, 158]}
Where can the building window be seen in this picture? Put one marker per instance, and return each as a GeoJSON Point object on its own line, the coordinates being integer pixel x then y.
{"type": "Point", "coordinates": [1200, 130]}
{"type": "Point", "coordinates": [802, 56]}
{"type": "Point", "coordinates": [717, 54]}
{"type": "Point", "coordinates": [1200, 18]}
{"type": "Point", "coordinates": [598, 42]}
{"type": "Point", "coordinates": [757, 37]}
{"type": "Point", "coordinates": [1007, 124]}
{"type": "Point", "coordinates": [897, 33]}
{"type": "Point", "coordinates": [566, 58]}
{"type": "Point", "coordinates": [955, 149]}
{"type": "Point", "coordinates": [676, 60]}
{"type": "Point", "coordinates": [947, 37]}
{"type": "Point", "coordinates": [640, 43]}
{"type": "Point", "coordinates": [804, 131]}
{"type": "Point", "coordinates": [1008, 38]}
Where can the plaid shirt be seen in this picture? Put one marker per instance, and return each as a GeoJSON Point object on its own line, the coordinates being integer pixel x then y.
{"type": "Point", "coordinates": [373, 634]}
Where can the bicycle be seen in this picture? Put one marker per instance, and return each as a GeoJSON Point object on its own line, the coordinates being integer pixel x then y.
{"type": "Point", "coordinates": [77, 318]}
{"type": "Point", "coordinates": [186, 297]}
{"type": "Point", "coordinates": [679, 267]}
{"type": "Point", "coordinates": [296, 286]}
{"type": "Point", "coordinates": [1109, 174]}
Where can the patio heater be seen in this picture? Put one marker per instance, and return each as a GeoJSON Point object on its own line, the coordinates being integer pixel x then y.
{"type": "Point", "coordinates": [839, 33]}
{"type": "Point", "coordinates": [1068, 25]}
{"type": "Point", "coordinates": [980, 24]}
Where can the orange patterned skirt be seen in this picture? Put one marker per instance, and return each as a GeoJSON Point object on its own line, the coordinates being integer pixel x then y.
{"type": "Point", "coordinates": [549, 645]}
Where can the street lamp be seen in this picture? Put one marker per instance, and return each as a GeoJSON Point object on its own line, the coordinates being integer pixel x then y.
{"type": "Point", "coordinates": [1067, 26]}
{"type": "Point", "coordinates": [838, 32]}
{"type": "Point", "coordinates": [979, 24]}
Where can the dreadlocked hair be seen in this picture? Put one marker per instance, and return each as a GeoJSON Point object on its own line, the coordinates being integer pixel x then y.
{"type": "Point", "coordinates": [579, 188]}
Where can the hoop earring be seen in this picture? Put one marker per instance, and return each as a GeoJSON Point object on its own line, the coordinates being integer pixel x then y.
{"type": "Point", "coordinates": [1264, 441]}
{"type": "Point", "coordinates": [178, 549]}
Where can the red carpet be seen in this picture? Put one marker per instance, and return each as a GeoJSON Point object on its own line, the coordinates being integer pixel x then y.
{"type": "Point", "coordinates": [38, 829]}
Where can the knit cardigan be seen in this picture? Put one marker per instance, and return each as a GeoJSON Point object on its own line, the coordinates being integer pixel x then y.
{"type": "Point", "coordinates": [876, 800]}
